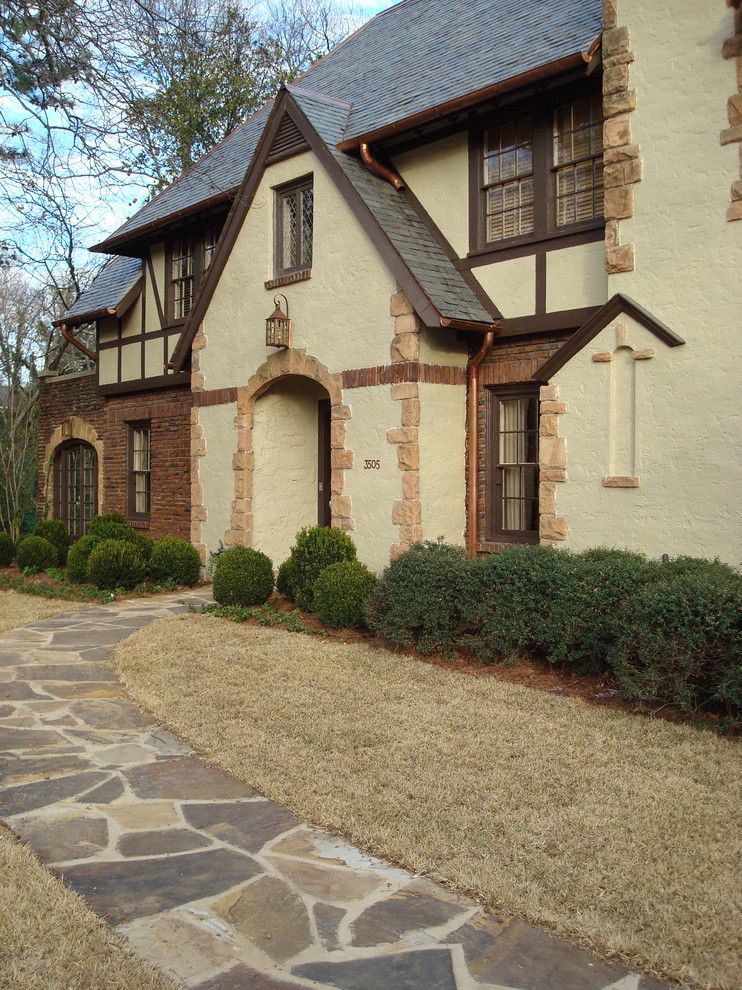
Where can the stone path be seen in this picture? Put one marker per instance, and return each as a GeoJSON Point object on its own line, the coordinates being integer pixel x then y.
{"type": "Point", "coordinates": [218, 886]}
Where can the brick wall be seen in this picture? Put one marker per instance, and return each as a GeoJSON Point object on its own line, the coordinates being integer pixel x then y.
{"type": "Point", "coordinates": [168, 410]}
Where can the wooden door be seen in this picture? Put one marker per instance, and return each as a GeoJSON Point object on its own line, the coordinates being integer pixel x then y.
{"type": "Point", "coordinates": [75, 486]}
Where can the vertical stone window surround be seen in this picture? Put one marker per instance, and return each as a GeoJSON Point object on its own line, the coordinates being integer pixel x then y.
{"type": "Point", "coordinates": [732, 49]}
{"type": "Point", "coordinates": [552, 466]}
{"type": "Point", "coordinates": [622, 165]}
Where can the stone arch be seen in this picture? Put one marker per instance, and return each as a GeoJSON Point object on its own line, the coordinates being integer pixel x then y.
{"type": "Point", "coordinates": [285, 364]}
{"type": "Point", "coordinates": [73, 428]}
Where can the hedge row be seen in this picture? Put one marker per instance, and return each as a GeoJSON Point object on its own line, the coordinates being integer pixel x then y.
{"type": "Point", "coordinates": [667, 632]}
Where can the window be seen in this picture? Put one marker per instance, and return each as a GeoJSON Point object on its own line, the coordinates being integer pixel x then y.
{"type": "Point", "coordinates": [181, 278]}
{"type": "Point", "coordinates": [513, 464]}
{"type": "Point", "coordinates": [578, 160]}
{"type": "Point", "coordinates": [189, 259]}
{"type": "Point", "coordinates": [210, 239]}
{"type": "Point", "coordinates": [140, 470]}
{"type": "Point", "coordinates": [294, 227]}
{"type": "Point", "coordinates": [75, 486]}
{"type": "Point", "coordinates": [508, 179]}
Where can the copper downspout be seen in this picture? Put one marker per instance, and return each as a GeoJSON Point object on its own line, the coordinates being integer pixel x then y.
{"type": "Point", "coordinates": [378, 169]}
{"type": "Point", "coordinates": [472, 443]}
{"type": "Point", "coordinates": [76, 343]}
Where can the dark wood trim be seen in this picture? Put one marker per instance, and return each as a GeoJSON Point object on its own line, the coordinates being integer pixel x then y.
{"type": "Point", "coordinates": [540, 282]}
{"type": "Point", "coordinates": [147, 335]}
{"type": "Point", "coordinates": [324, 517]}
{"type": "Point", "coordinates": [555, 241]}
{"type": "Point", "coordinates": [300, 185]}
{"type": "Point", "coordinates": [148, 385]}
{"type": "Point", "coordinates": [591, 328]}
{"type": "Point", "coordinates": [565, 319]}
{"type": "Point", "coordinates": [120, 349]}
{"type": "Point", "coordinates": [493, 521]}
{"type": "Point", "coordinates": [156, 288]}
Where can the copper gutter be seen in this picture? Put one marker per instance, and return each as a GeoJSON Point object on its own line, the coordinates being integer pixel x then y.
{"type": "Point", "coordinates": [76, 343]}
{"type": "Point", "coordinates": [472, 442]}
{"type": "Point", "coordinates": [378, 169]}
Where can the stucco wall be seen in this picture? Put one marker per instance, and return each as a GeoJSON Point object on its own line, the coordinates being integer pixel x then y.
{"type": "Point", "coordinates": [215, 470]}
{"type": "Point", "coordinates": [687, 274]}
{"type": "Point", "coordinates": [442, 439]}
{"type": "Point", "coordinates": [576, 277]}
{"type": "Point", "coordinates": [340, 315]}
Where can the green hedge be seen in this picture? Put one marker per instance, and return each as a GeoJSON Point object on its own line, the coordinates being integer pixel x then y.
{"type": "Point", "coordinates": [55, 532]}
{"type": "Point", "coordinates": [7, 550]}
{"type": "Point", "coordinates": [112, 526]}
{"type": "Point", "coordinates": [34, 553]}
{"type": "Point", "coordinates": [341, 592]}
{"type": "Point", "coordinates": [115, 564]}
{"type": "Point", "coordinates": [243, 576]}
{"type": "Point", "coordinates": [316, 548]}
{"type": "Point", "coordinates": [78, 556]}
{"type": "Point", "coordinates": [285, 578]}
{"type": "Point", "coordinates": [176, 560]}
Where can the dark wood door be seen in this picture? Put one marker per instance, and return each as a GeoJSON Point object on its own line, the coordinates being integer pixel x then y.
{"type": "Point", "coordinates": [324, 517]}
{"type": "Point", "coordinates": [75, 486]}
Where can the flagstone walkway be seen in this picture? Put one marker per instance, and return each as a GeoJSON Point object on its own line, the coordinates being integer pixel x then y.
{"type": "Point", "coordinates": [219, 887]}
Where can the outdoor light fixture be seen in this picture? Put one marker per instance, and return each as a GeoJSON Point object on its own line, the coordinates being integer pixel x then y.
{"type": "Point", "coordinates": [278, 325]}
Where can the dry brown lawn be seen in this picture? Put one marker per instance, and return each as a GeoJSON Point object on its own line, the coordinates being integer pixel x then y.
{"type": "Point", "coordinates": [613, 829]}
{"type": "Point", "coordinates": [17, 609]}
{"type": "Point", "coordinates": [49, 938]}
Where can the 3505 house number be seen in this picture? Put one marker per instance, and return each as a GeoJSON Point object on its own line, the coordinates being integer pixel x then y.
{"type": "Point", "coordinates": [371, 464]}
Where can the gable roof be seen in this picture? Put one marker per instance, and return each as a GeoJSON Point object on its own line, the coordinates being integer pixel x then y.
{"type": "Point", "coordinates": [111, 292]}
{"type": "Point", "coordinates": [598, 321]}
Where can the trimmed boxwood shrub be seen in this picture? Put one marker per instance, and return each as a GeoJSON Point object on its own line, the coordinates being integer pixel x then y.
{"type": "Point", "coordinates": [285, 578]}
{"type": "Point", "coordinates": [115, 564]}
{"type": "Point", "coordinates": [112, 526]}
{"type": "Point", "coordinates": [55, 532]}
{"type": "Point", "coordinates": [7, 550]}
{"type": "Point", "coordinates": [145, 546]}
{"type": "Point", "coordinates": [78, 556]}
{"type": "Point", "coordinates": [176, 560]}
{"type": "Point", "coordinates": [418, 600]}
{"type": "Point", "coordinates": [316, 548]}
{"type": "Point", "coordinates": [243, 576]}
{"type": "Point", "coordinates": [680, 642]}
{"type": "Point", "coordinates": [341, 592]}
{"type": "Point", "coordinates": [34, 553]}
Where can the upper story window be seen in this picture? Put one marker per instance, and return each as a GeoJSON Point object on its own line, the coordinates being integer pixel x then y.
{"type": "Point", "coordinates": [294, 227]}
{"type": "Point", "coordinates": [537, 170]}
{"type": "Point", "coordinates": [210, 239]}
{"type": "Point", "coordinates": [189, 259]}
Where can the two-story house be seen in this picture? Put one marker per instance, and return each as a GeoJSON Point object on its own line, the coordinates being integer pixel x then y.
{"type": "Point", "coordinates": [474, 275]}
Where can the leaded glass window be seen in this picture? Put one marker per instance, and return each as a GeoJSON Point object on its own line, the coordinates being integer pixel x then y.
{"type": "Point", "coordinates": [294, 228]}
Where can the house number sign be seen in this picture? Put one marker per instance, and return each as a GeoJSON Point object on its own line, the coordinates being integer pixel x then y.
{"type": "Point", "coordinates": [371, 464]}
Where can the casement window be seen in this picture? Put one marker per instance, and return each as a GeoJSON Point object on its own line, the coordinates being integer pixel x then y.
{"type": "Point", "coordinates": [181, 278]}
{"type": "Point", "coordinates": [140, 470]}
{"type": "Point", "coordinates": [512, 453]}
{"type": "Point", "coordinates": [537, 172]}
{"type": "Point", "coordinates": [294, 227]}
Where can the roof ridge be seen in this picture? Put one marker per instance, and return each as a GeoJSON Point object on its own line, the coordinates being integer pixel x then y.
{"type": "Point", "coordinates": [314, 95]}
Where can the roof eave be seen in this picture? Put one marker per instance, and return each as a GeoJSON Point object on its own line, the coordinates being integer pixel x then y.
{"type": "Point", "coordinates": [119, 309]}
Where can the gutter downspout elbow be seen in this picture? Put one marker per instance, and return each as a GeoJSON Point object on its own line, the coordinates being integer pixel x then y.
{"type": "Point", "coordinates": [472, 442]}
{"type": "Point", "coordinates": [66, 333]}
{"type": "Point", "coordinates": [378, 169]}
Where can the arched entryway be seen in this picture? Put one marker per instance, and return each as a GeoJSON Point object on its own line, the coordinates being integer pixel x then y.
{"type": "Point", "coordinates": [75, 499]}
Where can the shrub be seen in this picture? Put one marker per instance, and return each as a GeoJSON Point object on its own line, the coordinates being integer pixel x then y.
{"type": "Point", "coordinates": [115, 564]}
{"type": "Point", "coordinates": [316, 548]}
{"type": "Point", "coordinates": [145, 546]}
{"type": "Point", "coordinates": [175, 559]}
{"type": "Point", "coordinates": [681, 642]}
{"type": "Point", "coordinates": [699, 567]}
{"type": "Point", "coordinates": [7, 550]}
{"type": "Point", "coordinates": [34, 553]}
{"type": "Point", "coordinates": [78, 556]}
{"type": "Point", "coordinates": [112, 526]}
{"type": "Point", "coordinates": [285, 578]}
{"type": "Point", "coordinates": [243, 576]}
{"type": "Point", "coordinates": [418, 599]}
{"type": "Point", "coordinates": [341, 592]}
{"type": "Point", "coordinates": [55, 532]}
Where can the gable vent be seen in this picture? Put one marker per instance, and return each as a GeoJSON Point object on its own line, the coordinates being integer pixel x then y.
{"type": "Point", "coordinates": [288, 141]}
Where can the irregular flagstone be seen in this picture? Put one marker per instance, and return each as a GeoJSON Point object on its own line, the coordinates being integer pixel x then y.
{"type": "Point", "coordinates": [327, 918]}
{"type": "Point", "coordinates": [20, 739]}
{"type": "Point", "coordinates": [245, 978]}
{"type": "Point", "coordinates": [166, 744]}
{"type": "Point", "coordinates": [79, 638]}
{"type": "Point", "coordinates": [179, 947]}
{"type": "Point", "coordinates": [6, 711]}
{"type": "Point", "coordinates": [185, 777]}
{"type": "Point", "coordinates": [18, 691]}
{"type": "Point", "coordinates": [94, 689]}
{"type": "Point", "coordinates": [303, 845]}
{"type": "Point", "coordinates": [145, 814]}
{"type": "Point", "coordinates": [418, 906]}
{"type": "Point", "coordinates": [134, 888]}
{"type": "Point", "coordinates": [111, 714]}
{"type": "Point", "coordinates": [117, 756]}
{"type": "Point", "coordinates": [55, 840]}
{"type": "Point", "coordinates": [247, 824]}
{"type": "Point", "coordinates": [271, 915]}
{"type": "Point", "coordinates": [327, 883]}
{"type": "Point", "coordinates": [430, 969]}
{"type": "Point", "coordinates": [66, 672]}
{"type": "Point", "coordinates": [28, 797]}
{"type": "Point", "coordinates": [162, 841]}
{"type": "Point", "coordinates": [18, 768]}
{"type": "Point", "coordinates": [104, 793]}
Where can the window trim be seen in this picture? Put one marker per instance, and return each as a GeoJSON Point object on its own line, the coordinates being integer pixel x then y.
{"type": "Point", "coordinates": [279, 194]}
{"type": "Point", "coordinates": [197, 238]}
{"type": "Point", "coordinates": [131, 426]}
{"type": "Point", "coordinates": [541, 109]}
{"type": "Point", "coordinates": [495, 533]}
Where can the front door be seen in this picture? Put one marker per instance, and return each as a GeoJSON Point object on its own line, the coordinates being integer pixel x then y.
{"type": "Point", "coordinates": [75, 486]}
{"type": "Point", "coordinates": [324, 517]}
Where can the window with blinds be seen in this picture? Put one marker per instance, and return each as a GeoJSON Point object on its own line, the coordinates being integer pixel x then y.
{"type": "Point", "coordinates": [578, 160]}
{"type": "Point", "coordinates": [508, 179]}
{"type": "Point", "coordinates": [181, 278]}
{"type": "Point", "coordinates": [513, 446]}
{"type": "Point", "coordinates": [140, 470]}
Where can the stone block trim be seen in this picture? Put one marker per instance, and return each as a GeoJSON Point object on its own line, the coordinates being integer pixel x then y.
{"type": "Point", "coordinates": [72, 428]}
{"type": "Point", "coordinates": [622, 165]}
{"type": "Point", "coordinates": [732, 49]}
{"type": "Point", "coordinates": [199, 344]}
{"type": "Point", "coordinates": [199, 512]}
{"type": "Point", "coordinates": [289, 362]}
{"type": "Point", "coordinates": [552, 466]}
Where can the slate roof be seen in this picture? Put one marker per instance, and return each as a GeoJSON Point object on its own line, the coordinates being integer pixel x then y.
{"type": "Point", "coordinates": [107, 290]}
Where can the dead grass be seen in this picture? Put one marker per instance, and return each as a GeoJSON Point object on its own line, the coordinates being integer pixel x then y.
{"type": "Point", "coordinates": [52, 941]}
{"type": "Point", "coordinates": [17, 609]}
{"type": "Point", "coordinates": [613, 829]}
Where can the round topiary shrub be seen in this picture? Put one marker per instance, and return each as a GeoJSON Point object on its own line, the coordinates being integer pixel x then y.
{"type": "Point", "coordinates": [55, 532]}
{"type": "Point", "coordinates": [145, 546]}
{"type": "Point", "coordinates": [78, 556]}
{"type": "Point", "coordinates": [112, 526]}
{"type": "Point", "coordinates": [243, 576]}
{"type": "Point", "coordinates": [316, 548]}
{"type": "Point", "coordinates": [285, 578]}
{"type": "Point", "coordinates": [115, 564]}
{"type": "Point", "coordinates": [7, 550]}
{"type": "Point", "coordinates": [34, 553]}
{"type": "Point", "coordinates": [341, 592]}
{"type": "Point", "coordinates": [175, 560]}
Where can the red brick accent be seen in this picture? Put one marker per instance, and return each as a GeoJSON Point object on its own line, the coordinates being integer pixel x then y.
{"type": "Point", "coordinates": [406, 371]}
{"type": "Point", "coordinates": [168, 410]}
{"type": "Point", "coordinates": [215, 397]}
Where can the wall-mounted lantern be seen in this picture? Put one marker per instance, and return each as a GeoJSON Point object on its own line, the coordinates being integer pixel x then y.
{"type": "Point", "coordinates": [278, 325]}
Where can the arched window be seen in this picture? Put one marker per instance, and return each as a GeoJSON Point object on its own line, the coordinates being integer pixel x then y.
{"type": "Point", "coordinates": [75, 486]}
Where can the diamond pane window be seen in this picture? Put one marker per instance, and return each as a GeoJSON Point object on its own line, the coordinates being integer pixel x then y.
{"type": "Point", "coordinates": [508, 180]}
{"type": "Point", "coordinates": [140, 469]}
{"type": "Point", "coordinates": [294, 228]}
{"type": "Point", "coordinates": [578, 160]}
